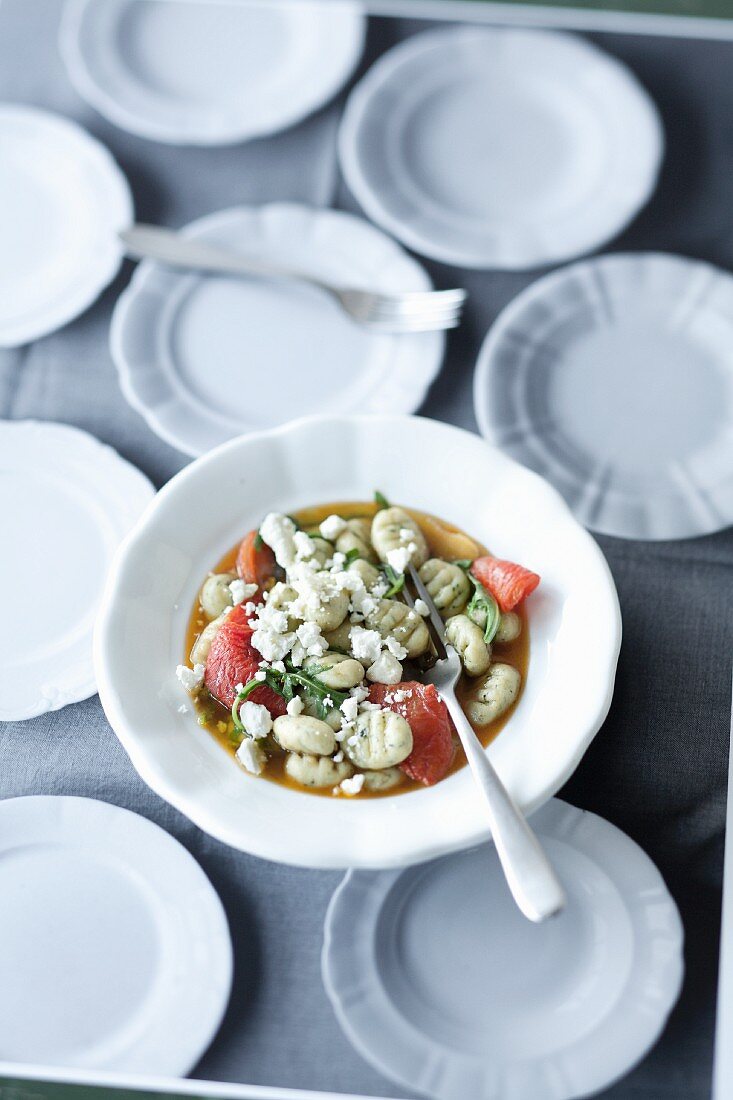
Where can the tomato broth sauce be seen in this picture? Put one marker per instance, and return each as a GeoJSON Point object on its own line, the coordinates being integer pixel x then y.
{"type": "Point", "coordinates": [445, 541]}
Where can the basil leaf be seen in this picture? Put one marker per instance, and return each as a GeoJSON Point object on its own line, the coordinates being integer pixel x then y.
{"type": "Point", "coordinates": [484, 610]}
{"type": "Point", "coordinates": [396, 580]}
{"type": "Point", "coordinates": [380, 500]}
{"type": "Point", "coordinates": [351, 555]}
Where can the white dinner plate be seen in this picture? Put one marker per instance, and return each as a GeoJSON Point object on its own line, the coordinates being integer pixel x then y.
{"type": "Point", "coordinates": [67, 502]}
{"type": "Point", "coordinates": [613, 378]}
{"type": "Point", "coordinates": [204, 358]}
{"type": "Point", "coordinates": [500, 148]}
{"type": "Point", "coordinates": [440, 982]}
{"type": "Point", "coordinates": [62, 202]}
{"type": "Point", "coordinates": [574, 628]}
{"type": "Point", "coordinates": [209, 73]}
{"type": "Point", "coordinates": [114, 948]}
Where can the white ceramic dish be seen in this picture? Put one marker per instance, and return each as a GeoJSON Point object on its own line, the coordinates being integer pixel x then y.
{"type": "Point", "coordinates": [574, 616]}
{"type": "Point", "coordinates": [613, 378]}
{"type": "Point", "coordinates": [114, 949]}
{"type": "Point", "coordinates": [441, 984]}
{"type": "Point", "coordinates": [209, 73]}
{"type": "Point", "coordinates": [500, 148]}
{"type": "Point", "coordinates": [62, 202]}
{"type": "Point", "coordinates": [204, 359]}
{"type": "Point", "coordinates": [67, 501]}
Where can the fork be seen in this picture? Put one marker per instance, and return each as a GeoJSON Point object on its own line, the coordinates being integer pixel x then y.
{"type": "Point", "coordinates": [412, 311]}
{"type": "Point", "coordinates": [529, 874]}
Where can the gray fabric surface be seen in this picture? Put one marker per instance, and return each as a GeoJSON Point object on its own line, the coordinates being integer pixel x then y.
{"type": "Point", "coordinates": [658, 767]}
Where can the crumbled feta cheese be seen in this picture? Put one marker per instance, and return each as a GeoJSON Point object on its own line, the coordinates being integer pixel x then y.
{"type": "Point", "coordinates": [191, 678]}
{"type": "Point", "coordinates": [380, 588]}
{"type": "Point", "coordinates": [338, 559]}
{"type": "Point", "coordinates": [385, 670]}
{"type": "Point", "coordinates": [349, 709]}
{"type": "Point", "coordinates": [256, 719]}
{"type": "Point", "coordinates": [400, 557]}
{"type": "Point", "coordinates": [360, 693]}
{"type": "Point", "coordinates": [352, 785]}
{"type": "Point", "coordinates": [422, 608]}
{"type": "Point", "coordinates": [304, 547]}
{"type": "Point", "coordinates": [295, 706]}
{"type": "Point", "coordinates": [400, 696]}
{"type": "Point", "coordinates": [362, 603]}
{"type": "Point", "coordinates": [250, 608]}
{"type": "Point", "coordinates": [278, 666]}
{"type": "Point", "coordinates": [278, 531]}
{"type": "Point", "coordinates": [332, 527]}
{"type": "Point", "coordinates": [394, 647]}
{"type": "Point", "coordinates": [241, 591]}
{"type": "Point", "coordinates": [272, 646]}
{"type": "Point", "coordinates": [338, 757]}
{"type": "Point", "coordinates": [310, 637]}
{"type": "Point", "coordinates": [251, 756]}
{"type": "Point", "coordinates": [366, 645]}
{"type": "Point", "coordinates": [260, 675]}
{"type": "Point", "coordinates": [406, 534]}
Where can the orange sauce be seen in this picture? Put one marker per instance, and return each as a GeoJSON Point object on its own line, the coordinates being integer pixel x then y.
{"type": "Point", "coordinates": [445, 541]}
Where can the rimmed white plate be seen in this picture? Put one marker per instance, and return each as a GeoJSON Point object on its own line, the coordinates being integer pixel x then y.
{"type": "Point", "coordinates": [62, 202]}
{"type": "Point", "coordinates": [204, 358]}
{"type": "Point", "coordinates": [441, 984]}
{"type": "Point", "coordinates": [209, 73]}
{"type": "Point", "coordinates": [114, 948]}
{"type": "Point", "coordinates": [614, 380]}
{"type": "Point", "coordinates": [574, 633]}
{"type": "Point", "coordinates": [500, 148]}
{"type": "Point", "coordinates": [67, 501]}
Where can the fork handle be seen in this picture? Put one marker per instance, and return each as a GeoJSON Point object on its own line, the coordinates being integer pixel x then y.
{"type": "Point", "coordinates": [153, 242]}
{"type": "Point", "coordinates": [534, 885]}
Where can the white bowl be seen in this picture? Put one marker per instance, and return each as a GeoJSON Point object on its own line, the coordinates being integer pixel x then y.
{"type": "Point", "coordinates": [575, 632]}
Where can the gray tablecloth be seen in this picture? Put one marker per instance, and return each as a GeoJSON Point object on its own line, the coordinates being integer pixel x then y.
{"type": "Point", "coordinates": [658, 767]}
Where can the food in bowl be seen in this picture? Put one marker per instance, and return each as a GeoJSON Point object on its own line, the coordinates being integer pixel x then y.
{"type": "Point", "coordinates": [305, 652]}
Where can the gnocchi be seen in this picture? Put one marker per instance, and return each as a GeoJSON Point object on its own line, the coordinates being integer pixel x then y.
{"type": "Point", "coordinates": [299, 733]}
{"type": "Point", "coordinates": [394, 529]}
{"type": "Point", "coordinates": [316, 771]}
{"type": "Point", "coordinates": [216, 595]}
{"type": "Point", "coordinates": [307, 656]}
{"type": "Point", "coordinates": [495, 694]}
{"type": "Point", "coordinates": [448, 585]}
{"type": "Point", "coordinates": [381, 740]}
{"type": "Point", "coordinates": [391, 618]}
{"type": "Point", "coordinates": [468, 640]}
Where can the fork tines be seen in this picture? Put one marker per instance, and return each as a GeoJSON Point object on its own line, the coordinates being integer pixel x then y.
{"type": "Point", "coordinates": [434, 622]}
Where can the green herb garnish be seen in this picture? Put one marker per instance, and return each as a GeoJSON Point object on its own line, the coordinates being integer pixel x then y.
{"type": "Point", "coordinates": [285, 684]}
{"type": "Point", "coordinates": [380, 500]}
{"type": "Point", "coordinates": [463, 563]}
{"type": "Point", "coordinates": [351, 555]}
{"type": "Point", "coordinates": [396, 580]}
{"type": "Point", "coordinates": [483, 610]}
{"type": "Point", "coordinates": [259, 541]}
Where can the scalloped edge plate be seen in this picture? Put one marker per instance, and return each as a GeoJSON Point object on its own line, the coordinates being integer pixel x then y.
{"type": "Point", "coordinates": [320, 47]}
{"type": "Point", "coordinates": [184, 343]}
{"type": "Point", "coordinates": [68, 200]}
{"type": "Point", "coordinates": [574, 616]}
{"type": "Point", "coordinates": [130, 937]}
{"type": "Point", "coordinates": [72, 475]}
{"type": "Point", "coordinates": [623, 948]}
{"type": "Point", "coordinates": [438, 84]}
{"type": "Point", "coordinates": [613, 378]}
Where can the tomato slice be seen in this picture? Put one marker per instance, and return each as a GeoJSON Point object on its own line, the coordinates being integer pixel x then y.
{"type": "Point", "coordinates": [507, 582]}
{"type": "Point", "coordinates": [234, 660]}
{"type": "Point", "coordinates": [255, 564]}
{"type": "Point", "coordinates": [431, 724]}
